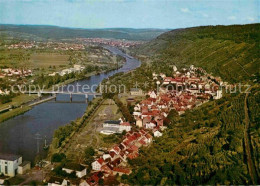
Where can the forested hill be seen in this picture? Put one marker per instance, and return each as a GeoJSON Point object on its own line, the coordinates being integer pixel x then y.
{"type": "Point", "coordinates": [231, 52]}
{"type": "Point", "coordinates": [41, 32]}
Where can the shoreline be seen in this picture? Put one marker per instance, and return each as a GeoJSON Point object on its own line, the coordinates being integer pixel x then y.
{"type": "Point", "coordinates": [13, 113]}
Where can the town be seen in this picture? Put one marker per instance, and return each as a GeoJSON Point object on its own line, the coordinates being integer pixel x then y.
{"type": "Point", "coordinates": [74, 45]}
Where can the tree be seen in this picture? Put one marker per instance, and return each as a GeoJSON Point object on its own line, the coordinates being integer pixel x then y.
{"type": "Point", "coordinates": [173, 116]}
{"type": "Point", "coordinates": [101, 182]}
{"type": "Point", "coordinates": [89, 151]}
{"type": "Point", "coordinates": [58, 157]}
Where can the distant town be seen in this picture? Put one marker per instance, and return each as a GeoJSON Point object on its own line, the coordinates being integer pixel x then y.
{"type": "Point", "coordinates": [80, 44]}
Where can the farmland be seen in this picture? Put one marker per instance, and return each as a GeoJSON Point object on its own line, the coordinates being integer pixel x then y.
{"type": "Point", "coordinates": [44, 60]}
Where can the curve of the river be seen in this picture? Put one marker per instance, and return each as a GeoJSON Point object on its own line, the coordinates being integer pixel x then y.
{"type": "Point", "coordinates": [17, 135]}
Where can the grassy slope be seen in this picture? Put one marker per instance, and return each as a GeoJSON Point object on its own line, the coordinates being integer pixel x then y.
{"type": "Point", "coordinates": [231, 52]}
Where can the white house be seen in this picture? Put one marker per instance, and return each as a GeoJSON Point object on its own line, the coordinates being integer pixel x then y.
{"type": "Point", "coordinates": [139, 122]}
{"type": "Point", "coordinates": [115, 126]}
{"type": "Point", "coordinates": [152, 95]}
{"type": "Point", "coordinates": [162, 75]}
{"type": "Point", "coordinates": [112, 123]}
{"type": "Point", "coordinates": [138, 114]}
{"type": "Point", "coordinates": [106, 156]}
{"type": "Point", "coordinates": [125, 126]}
{"type": "Point", "coordinates": [74, 167]}
{"type": "Point", "coordinates": [55, 181]}
{"type": "Point", "coordinates": [157, 134]}
{"type": "Point", "coordinates": [96, 165]}
{"type": "Point", "coordinates": [174, 68]}
{"type": "Point", "coordinates": [150, 125]}
{"type": "Point", "coordinates": [9, 164]}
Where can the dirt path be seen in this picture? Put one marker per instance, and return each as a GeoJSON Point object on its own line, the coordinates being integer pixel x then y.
{"type": "Point", "coordinates": [247, 143]}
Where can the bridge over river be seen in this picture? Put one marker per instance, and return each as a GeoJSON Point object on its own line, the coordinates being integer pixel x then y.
{"type": "Point", "coordinates": [18, 134]}
{"type": "Point", "coordinates": [55, 93]}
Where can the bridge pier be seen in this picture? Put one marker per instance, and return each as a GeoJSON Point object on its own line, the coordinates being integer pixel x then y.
{"type": "Point", "coordinates": [39, 95]}
{"type": "Point", "coordinates": [86, 96]}
{"type": "Point", "coordinates": [55, 97]}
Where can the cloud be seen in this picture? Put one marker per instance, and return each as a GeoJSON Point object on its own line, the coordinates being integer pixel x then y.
{"type": "Point", "coordinates": [185, 10]}
{"type": "Point", "coordinates": [232, 18]}
{"type": "Point", "coordinates": [250, 18]}
{"type": "Point", "coordinates": [205, 15]}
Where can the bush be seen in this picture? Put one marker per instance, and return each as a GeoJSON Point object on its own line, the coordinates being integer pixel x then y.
{"type": "Point", "coordinates": [58, 157]}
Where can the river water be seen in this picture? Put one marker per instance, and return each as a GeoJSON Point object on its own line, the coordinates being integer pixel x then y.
{"type": "Point", "coordinates": [18, 135]}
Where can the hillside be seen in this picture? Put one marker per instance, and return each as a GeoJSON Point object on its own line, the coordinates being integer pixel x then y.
{"type": "Point", "coordinates": [42, 32]}
{"type": "Point", "coordinates": [231, 52]}
{"type": "Point", "coordinates": [218, 142]}
{"type": "Point", "coordinates": [205, 146]}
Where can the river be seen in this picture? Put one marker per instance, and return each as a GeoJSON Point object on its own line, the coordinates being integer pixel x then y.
{"type": "Point", "coordinates": [18, 135]}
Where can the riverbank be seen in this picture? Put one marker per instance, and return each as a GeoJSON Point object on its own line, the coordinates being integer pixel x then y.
{"type": "Point", "coordinates": [79, 124]}
{"type": "Point", "coordinates": [28, 101]}
{"type": "Point", "coordinates": [13, 113]}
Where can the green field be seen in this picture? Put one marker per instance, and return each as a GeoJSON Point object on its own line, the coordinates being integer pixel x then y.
{"type": "Point", "coordinates": [18, 100]}
{"type": "Point", "coordinates": [14, 58]}
{"type": "Point", "coordinates": [44, 60]}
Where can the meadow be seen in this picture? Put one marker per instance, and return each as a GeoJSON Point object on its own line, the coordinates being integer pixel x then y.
{"type": "Point", "coordinates": [44, 60]}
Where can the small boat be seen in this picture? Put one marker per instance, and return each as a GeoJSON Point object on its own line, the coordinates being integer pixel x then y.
{"type": "Point", "coordinates": [45, 144]}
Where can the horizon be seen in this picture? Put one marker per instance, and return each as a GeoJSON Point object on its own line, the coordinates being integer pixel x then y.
{"type": "Point", "coordinates": [137, 14]}
{"type": "Point", "coordinates": [169, 29]}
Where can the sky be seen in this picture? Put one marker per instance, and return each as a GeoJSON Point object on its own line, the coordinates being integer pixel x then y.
{"type": "Point", "coordinates": [129, 13]}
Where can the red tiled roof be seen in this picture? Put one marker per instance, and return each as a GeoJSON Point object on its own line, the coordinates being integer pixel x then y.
{"type": "Point", "coordinates": [112, 154]}
{"type": "Point", "coordinates": [142, 141]}
{"type": "Point", "coordinates": [137, 135]}
{"type": "Point", "coordinates": [117, 149]}
{"type": "Point", "coordinates": [100, 161]}
{"type": "Point", "coordinates": [133, 155]}
{"type": "Point", "coordinates": [148, 136]}
{"type": "Point", "coordinates": [125, 124]}
{"type": "Point", "coordinates": [122, 170]}
{"type": "Point", "coordinates": [134, 148]}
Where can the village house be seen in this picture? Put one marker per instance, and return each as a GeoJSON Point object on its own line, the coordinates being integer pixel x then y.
{"type": "Point", "coordinates": [121, 170]}
{"type": "Point", "coordinates": [115, 126]}
{"type": "Point", "coordinates": [56, 181]}
{"type": "Point", "coordinates": [157, 134]}
{"type": "Point", "coordinates": [96, 165]}
{"type": "Point", "coordinates": [24, 167]}
{"type": "Point", "coordinates": [74, 167]}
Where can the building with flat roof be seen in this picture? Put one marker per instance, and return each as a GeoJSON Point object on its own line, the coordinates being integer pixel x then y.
{"type": "Point", "coordinates": [9, 164]}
